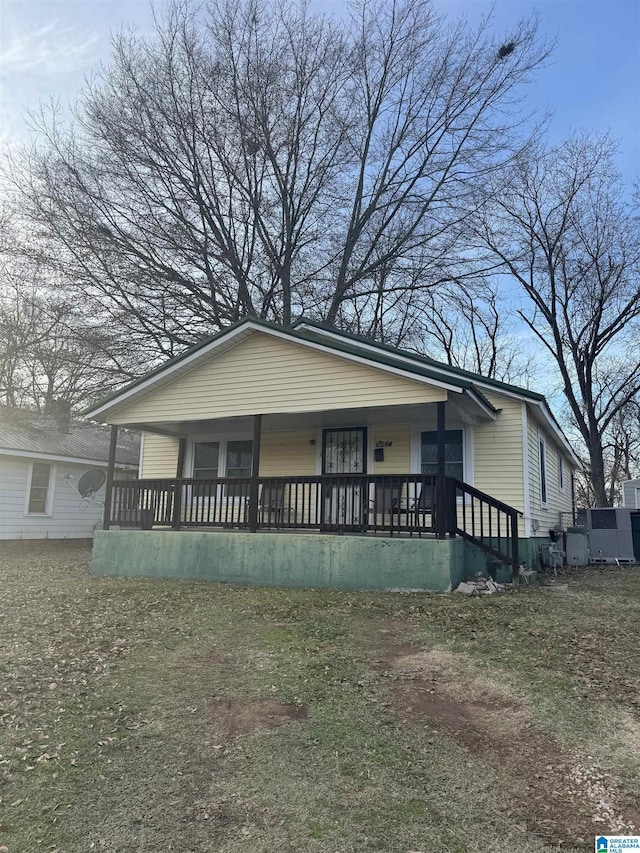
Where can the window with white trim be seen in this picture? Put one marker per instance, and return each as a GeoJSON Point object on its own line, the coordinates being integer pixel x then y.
{"type": "Point", "coordinates": [39, 489]}
{"type": "Point", "coordinates": [560, 470]}
{"type": "Point", "coordinates": [543, 470]}
{"type": "Point", "coordinates": [238, 464]}
{"type": "Point", "coordinates": [206, 459]}
{"type": "Point", "coordinates": [223, 458]}
{"type": "Point", "coordinates": [453, 453]}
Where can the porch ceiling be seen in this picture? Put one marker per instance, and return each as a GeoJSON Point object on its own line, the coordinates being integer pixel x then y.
{"type": "Point", "coordinates": [460, 409]}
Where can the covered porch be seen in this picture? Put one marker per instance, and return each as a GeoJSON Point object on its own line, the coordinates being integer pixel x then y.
{"type": "Point", "coordinates": [394, 471]}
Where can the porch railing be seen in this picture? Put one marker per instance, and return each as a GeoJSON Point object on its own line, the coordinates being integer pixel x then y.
{"type": "Point", "coordinates": [484, 521]}
{"type": "Point", "coordinates": [339, 503]}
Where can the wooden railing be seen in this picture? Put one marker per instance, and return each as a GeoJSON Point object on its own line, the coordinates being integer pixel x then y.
{"type": "Point", "coordinates": [339, 503]}
{"type": "Point", "coordinates": [334, 502]}
{"type": "Point", "coordinates": [486, 522]}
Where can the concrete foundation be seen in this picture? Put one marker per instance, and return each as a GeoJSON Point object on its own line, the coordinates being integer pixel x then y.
{"type": "Point", "coordinates": [281, 559]}
{"type": "Point", "coordinates": [298, 560]}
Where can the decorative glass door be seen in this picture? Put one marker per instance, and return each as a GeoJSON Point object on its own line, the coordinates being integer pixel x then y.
{"type": "Point", "coordinates": [344, 451]}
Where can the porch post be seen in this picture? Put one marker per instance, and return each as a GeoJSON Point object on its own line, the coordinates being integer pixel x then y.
{"type": "Point", "coordinates": [182, 450]}
{"type": "Point", "coordinates": [110, 467]}
{"type": "Point", "coordinates": [515, 547]}
{"type": "Point", "coordinates": [441, 490]}
{"type": "Point", "coordinates": [255, 473]}
{"type": "Point", "coordinates": [177, 492]}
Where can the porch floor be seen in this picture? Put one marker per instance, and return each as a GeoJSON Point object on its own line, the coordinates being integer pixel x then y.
{"type": "Point", "coordinates": [367, 534]}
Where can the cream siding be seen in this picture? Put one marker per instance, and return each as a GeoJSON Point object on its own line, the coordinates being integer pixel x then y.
{"type": "Point", "coordinates": [497, 452]}
{"type": "Point", "coordinates": [559, 501]}
{"type": "Point", "coordinates": [159, 456]}
{"type": "Point", "coordinates": [268, 375]}
{"type": "Point", "coordinates": [288, 452]}
{"type": "Point", "coordinates": [397, 456]}
{"type": "Point", "coordinates": [285, 454]}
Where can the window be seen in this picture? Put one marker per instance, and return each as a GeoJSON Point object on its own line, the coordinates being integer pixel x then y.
{"type": "Point", "coordinates": [560, 470]}
{"type": "Point", "coordinates": [543, 471]}
{"type": "Point", "coordinates": [206, 457]}
{"type": "Point", "coordinates": [223, 458]}
{"type": "Point", "coordinates": [39, 488]}
{"type": "Point", "coordinates": [239, 455]}
{"type": "Point", "coordinates": [453, 453]}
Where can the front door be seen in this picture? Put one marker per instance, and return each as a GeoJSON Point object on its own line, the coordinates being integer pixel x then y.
{"type": "Point", "coordinates": [344, 451]}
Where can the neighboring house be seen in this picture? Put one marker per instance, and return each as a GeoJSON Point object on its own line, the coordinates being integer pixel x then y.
{"type": "Point", "coordinates": [263, 427]}
{"type": "Point", "coordinates": [631, 493]}
{"type": "Point", "coordinates": [41, 462]}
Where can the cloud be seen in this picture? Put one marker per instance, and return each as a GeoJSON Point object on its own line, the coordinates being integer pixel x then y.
{"type": "Point", "coordinates": [49, 50]}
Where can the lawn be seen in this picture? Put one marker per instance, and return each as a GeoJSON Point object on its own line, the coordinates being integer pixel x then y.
{"type": "Point", "coordinates": [146, 715]}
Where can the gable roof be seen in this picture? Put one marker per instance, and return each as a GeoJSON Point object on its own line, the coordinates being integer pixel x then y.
{"type": "Point", "coordinates": [437, 367]}
{"type": "Point", "coordinates": [25, 433]}
{"type": "Point", "coordinates": [476, 380]}
{"type": "Point", "coordinates": [345, 344]}
{"type": "Point", "coordinates": [201, 350]}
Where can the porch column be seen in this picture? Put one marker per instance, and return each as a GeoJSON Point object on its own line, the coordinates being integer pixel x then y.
{"type": "Point", "coordinates": [177, 492]}
{"type": "Point", "coordinates": [441, 486]}
{"type": "Point", "coordinates": [182, 451]}
{"type": "Point", "coordinates": [110, 468]}
{"type": "Point", "coordinates": [515, 547]}
{"type": "Point", "coordinates": [255, 473]}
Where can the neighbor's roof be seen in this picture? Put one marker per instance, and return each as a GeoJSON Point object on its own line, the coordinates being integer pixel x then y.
{"type": "Point", "coordinates": [32, 433]}
{"type": "Point", "coordinates": [312, 333]}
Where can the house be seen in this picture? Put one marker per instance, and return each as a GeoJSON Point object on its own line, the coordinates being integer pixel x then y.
{"type": "Point", "coordinates": [392, 469]}
{"type": "Point", "coordinates": [631, 493]}
{"type": "Point", "coordinates": [43, 459]}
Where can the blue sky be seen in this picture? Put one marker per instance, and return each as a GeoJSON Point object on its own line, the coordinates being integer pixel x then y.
{"type": "Point", "coordinates": [592, 80]}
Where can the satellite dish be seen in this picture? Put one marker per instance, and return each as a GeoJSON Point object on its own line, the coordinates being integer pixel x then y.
{"type": "Point", "coordinates": [90, 482]}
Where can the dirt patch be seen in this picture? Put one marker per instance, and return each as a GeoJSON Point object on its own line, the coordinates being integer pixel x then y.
{"type": "Point", "coordinates": [469, 722]}
{"type": "Point", "coordinates": [602, 668]}
{"type": "Point", "coordinates": [204, 660]}
{"type": "Point", "coordinates": [550, 793]}
{"type": "Point", "coordinates": [394, 654]}
{"type": "Point", "coordinates": [234, 717]}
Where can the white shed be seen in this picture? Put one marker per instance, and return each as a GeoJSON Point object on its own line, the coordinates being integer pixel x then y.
{"type": "Point", "coordinates": [41, 463]}
{"type": "Point", "coordinates": [631, 493]}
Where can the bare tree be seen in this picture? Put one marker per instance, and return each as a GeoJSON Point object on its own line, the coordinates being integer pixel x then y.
{"type": "Point", "coordinates": [465, 324]}
{"type": "Point", "coordinates": [19, 330]}
{"type": "Point", "coordinates": [563, 231]}
{"type": "Point", "coordinates": [260, 159]}
{"type": "Point", "coordinates": [54, 353]}
{"type": "Point", "coordinates": [622, 449]}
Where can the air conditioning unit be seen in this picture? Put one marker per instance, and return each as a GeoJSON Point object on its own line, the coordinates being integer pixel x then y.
{"type": "Point", "coordinates": [610, 535]}
{"type": "Point", "coordinates": [577, 549]}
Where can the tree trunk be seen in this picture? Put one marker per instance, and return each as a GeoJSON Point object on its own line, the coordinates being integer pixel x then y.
{"type": "Point", "coordinates": [597, 472]}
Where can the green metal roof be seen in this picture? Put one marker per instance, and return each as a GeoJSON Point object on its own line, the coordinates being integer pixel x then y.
{"type": "Point", "coordinates": [450, 370]}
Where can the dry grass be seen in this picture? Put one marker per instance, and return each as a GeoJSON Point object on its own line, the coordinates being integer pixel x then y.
{"type": "Point", "coordinates": [168, 716]}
